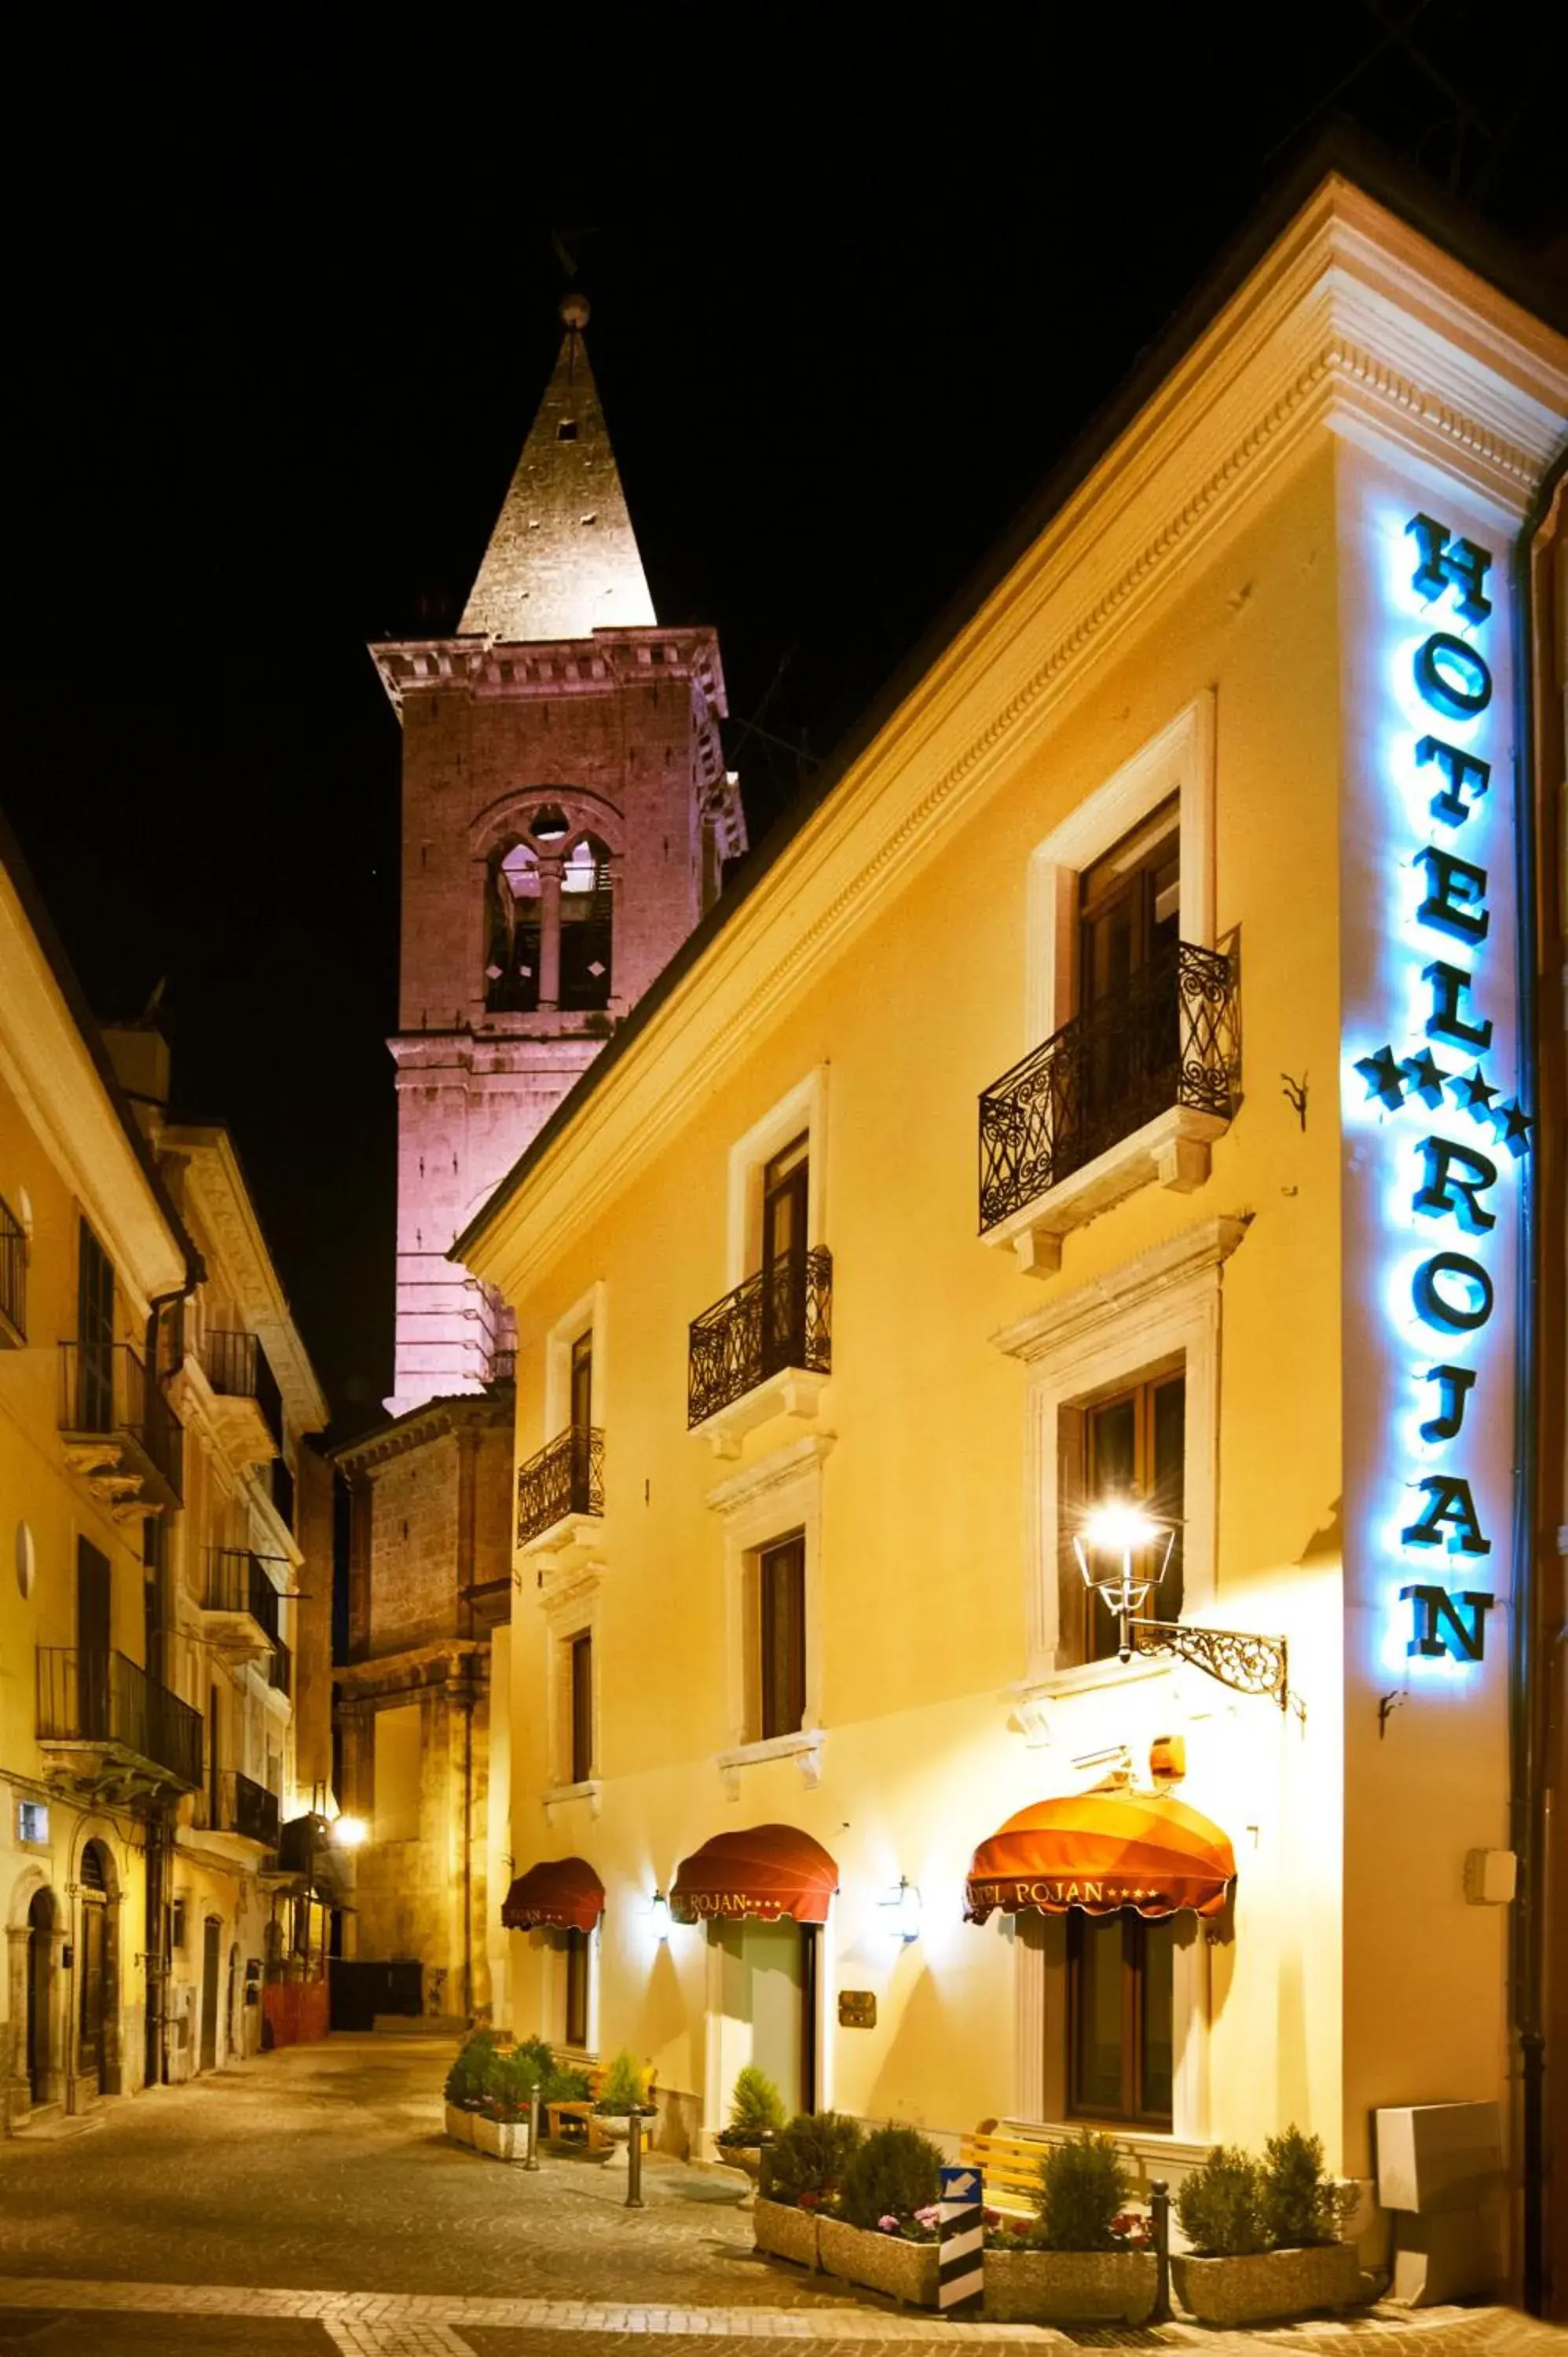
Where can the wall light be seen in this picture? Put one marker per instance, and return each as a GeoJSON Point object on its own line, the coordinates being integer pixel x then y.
{"type": "Point", "coordinates": [904, 1906]}
{"type": "Point", "coordinates": [349, 1832]}
{"type": "Point", "coordinates": [660, 1913]}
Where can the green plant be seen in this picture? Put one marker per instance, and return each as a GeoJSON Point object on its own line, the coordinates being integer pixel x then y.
{"type": "Point", "coordinates": [895, 2172]}
{"type": "Point", "coordinates": [756, 2109]}
{"type": "Point", "coordinates": [1220, 2205]}
{"type": "Point", "coordinates": [569, 2087]}
{"type": "Point", "coordinates": [467, 2080]}
{"type": "Point", "coordinates": [535, 2064]}
{"type": "Point", "coordinates": [1083, 2189]}
{"type": "Point", "coordinates": [1301, 2204]}
{"type": "Point", "coordinates": [625, 2090]}
{"type": "Point", "coordinates": [807, 2161]}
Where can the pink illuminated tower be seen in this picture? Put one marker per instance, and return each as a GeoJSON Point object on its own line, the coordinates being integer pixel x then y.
{"type": "Point", "coordinates": [565, 817]}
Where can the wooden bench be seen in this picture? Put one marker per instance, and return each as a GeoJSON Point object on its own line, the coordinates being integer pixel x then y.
{"type": "Point", "coordinates": [1011, 2165]}
{"type": "Point", "coordinates": [581, 2113]}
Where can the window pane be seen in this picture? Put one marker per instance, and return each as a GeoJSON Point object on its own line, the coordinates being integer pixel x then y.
{"type": "Point", "coordinates": [1158, 2059]}
{"type": "Point", "coordinates": [582, 1709]}
{"type": "Point", "coordinates": [1113, 1449]}
{"type": "Point", "coordinates": [782, 1577]}
{"type": "Point", "coordinates": [576, 1988]}
{"type": "Point", "coordinates": [1097, 2042]}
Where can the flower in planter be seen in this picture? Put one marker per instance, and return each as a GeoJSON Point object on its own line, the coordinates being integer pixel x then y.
{"type": "Point", "coordinates": [887, 2223]}
{"type": "Point", "coordinates": [1135, 2228]}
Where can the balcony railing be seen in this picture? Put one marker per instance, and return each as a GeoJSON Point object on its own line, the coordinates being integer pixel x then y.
{"type": "Point", "coordinates": [566, 1478]}
{"type": "Point", "coordinates": [13, 1270]}
{"type": "Point", "coordinates": [1167, 1038]}
{"type": "Point", "coordinates": [249, 1809]}
{"type": "Point", "coordinates": [109, 1396]}
{"type": "Point", "coordinates": [781, 1318]}
{"type": "Point", "coordinates": [237, 1581]}
{"type": "Point", "coordinates": [105, 1698]}
{"type": "Point", "coordinates": [280, 1668]}
{"type": "Point", "coordinates": [237, 1367]}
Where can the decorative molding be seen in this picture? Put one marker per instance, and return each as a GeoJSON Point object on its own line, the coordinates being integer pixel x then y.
{"type": "Point", "coordinates": [1352, 324]}
{"type": "Point", "coordinates": [804, 1747]}
{"type": "Point", "coordinates": [431, 1421]}
{"type": "Point", "coordinates": [1080, 1314]}
{"type": "Point", "coordinates": [777, 1469]}
{"type": "Point", "coordinates": [560, 1796]}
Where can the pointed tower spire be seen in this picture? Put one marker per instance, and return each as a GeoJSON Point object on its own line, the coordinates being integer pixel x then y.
{"type": "Point", "coordinates": [562, 559]}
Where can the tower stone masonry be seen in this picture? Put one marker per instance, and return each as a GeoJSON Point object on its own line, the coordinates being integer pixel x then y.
{"type": "Point", "coordinates": [566, 815]}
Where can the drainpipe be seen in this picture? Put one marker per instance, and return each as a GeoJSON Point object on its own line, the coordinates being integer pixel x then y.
{"type": "Point", "coordinates": [1539, 1376]}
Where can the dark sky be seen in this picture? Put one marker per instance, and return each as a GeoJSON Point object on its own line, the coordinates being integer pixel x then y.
{"type": "Point", "coordinates": [248, 429]}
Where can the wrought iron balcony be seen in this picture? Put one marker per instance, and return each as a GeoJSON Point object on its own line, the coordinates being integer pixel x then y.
{"type": "Point", "coordinates": [238, 1369]}
{"type": "Point", "coordinates": [109, 1726]}
{"type": "Point", "coordinates": [13, 1277]}
{"type": "Point", "coordinates": [238, 1584]}
{"type": "Point", "coordinates": [120, 1429]}
{"type": "Point", "coordinates": [1167, 1040]}
{"type": "Point", "coordinates": [780, 1319]}
{"type": "Point", "coordinates": [566, 1478]}
{"type": "Point", "coordinates": [249, 1809]}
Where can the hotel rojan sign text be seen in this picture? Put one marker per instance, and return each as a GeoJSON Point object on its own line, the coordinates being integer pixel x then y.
{"type": "Point", "coordinates": [1458, 1133]}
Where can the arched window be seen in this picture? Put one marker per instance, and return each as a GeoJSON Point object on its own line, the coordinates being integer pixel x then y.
{"type": "Point", "coordinates": [511, 964]}
{"type": "Point", "coordinates": [585, 925]}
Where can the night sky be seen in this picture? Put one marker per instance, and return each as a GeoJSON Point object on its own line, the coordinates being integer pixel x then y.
{"type": "Point", "coordinates": [244, 436]}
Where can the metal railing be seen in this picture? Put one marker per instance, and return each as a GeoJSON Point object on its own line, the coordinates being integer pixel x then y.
{"type": "Point", "coordinates": [1168, 1038]}
{"type": "Point", "coordinates": [238, 1581]}
{"type": "Point", "coordinates": [781, 1318]}
{"type": "Point", "coordinates": [236, 1365]}
{"type": "Point", "coordinates": [13, 1269]}
{"type": "Point", "coordinates": [280, 1668]}
{"type": "Point", "coordinates": [566, 1478]}
{"type": "Point", "coordinates": [249, 1809]}
{"type": "Point", "coordinates": [107, 1394]}
{"type": "Point", "coordinates": [92, 1698]}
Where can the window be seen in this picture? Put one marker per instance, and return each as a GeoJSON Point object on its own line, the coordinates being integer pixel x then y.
{"type": "Point", "coordinates": [548, 921]}
{"type": "Point", "coordinates": [1135, 1446]}
{"type": "Point", "coordinates": [1129, 907]}
{"type": "Point", "coordinates": [94, 1334]}
{"type": "Point", "coordinates": [582, 1423]}
{"type": "Point", "coordinates": [784, 1185]}
{"type": "Point", "coordinates": [177, 1924]}
{"type": "Point", "coordinates": [580, 1752]}
{"type": "Point", "coordinates": [512, 954]}
{"type": "Point", "coordinates": [781, 1625]}
{"type": "Point", "coordinates": [1120, 2018]}
{"type": "Point", "coordinates": [32, 1821]}
{"type": "Point", "coordinates": [577, 1959]}
{"type": "Point", "coordinates": [586, 926]}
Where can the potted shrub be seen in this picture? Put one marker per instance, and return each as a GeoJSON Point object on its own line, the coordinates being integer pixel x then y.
{"type": "Point", "coordinates": [501, 2122]}
{"type": "Point", "coordinates": [465, 2087]}
{"type": "Point", "coordinates": [1086, 2258]}
{"type": "Point", "coordinates": [802, 2170]}
{"type": "Point", "coordinates": [622, 2098]}
{"type": "Point", "coordinates": [886, 2236]}
{"type": "Point", "coordinates": [1264, 2237]}
{"type": "Point", "coordinates": [755, 2116]}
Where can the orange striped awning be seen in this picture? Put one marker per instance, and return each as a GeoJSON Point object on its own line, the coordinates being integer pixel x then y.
{"type": "Point", "coordinates": [1101, 1852]}
{"type": "Point", "coordinates": [562, 1892]}
{"type": "Point", "coordinates": [772, 1872]}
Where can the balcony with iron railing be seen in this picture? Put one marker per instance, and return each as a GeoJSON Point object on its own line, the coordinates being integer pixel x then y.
{"type": "Point", "coordinates": [242, 1607]}
{"type": "Point", "coordinates": [765, 1350]}
{"type": "Point", "coordinates": [248, 1809]}
{"type": "Point", "coordinates": [12, 1278]}
{"type": "Point", "coordinates": [112, 1729]}
{"type": "Point", "coordinates": [560, 1487]}
{"type": "Point", "coordinates": [120, 1430]}
{"type": "Point", "coordinates": [1134, 1088]}
{"type": "Point", "coordinates": [247, 1406]}
{"type": "Point", "coordinates": [280, 1669]}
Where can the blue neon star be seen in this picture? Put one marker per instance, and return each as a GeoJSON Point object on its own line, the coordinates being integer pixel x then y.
{"type": "Point", "coordinates": [1516, 1127]}
{"type": "Point", "coordinates": [1382, 1074]}
{"type": "Point", "coordinates": [1472, 1092]}
{"type": "Point", "coordinates": [1425, 1077]}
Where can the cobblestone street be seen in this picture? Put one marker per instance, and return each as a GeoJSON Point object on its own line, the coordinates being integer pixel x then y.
{"type": "Point", "coordinates": [309, 2202]}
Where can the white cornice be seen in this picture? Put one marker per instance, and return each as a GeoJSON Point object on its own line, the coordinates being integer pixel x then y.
{"type": "Point", "coordinates": [1352, 324]}
{"type": "Point", "coordinates": [47, 1066]}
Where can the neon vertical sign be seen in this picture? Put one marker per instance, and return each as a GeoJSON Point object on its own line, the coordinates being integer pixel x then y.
{"type": "Point", "coordinates": [1452, 1132]}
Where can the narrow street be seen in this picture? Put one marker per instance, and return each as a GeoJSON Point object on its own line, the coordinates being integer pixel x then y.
{"type": "Point", "coordinates": [309, 2201]}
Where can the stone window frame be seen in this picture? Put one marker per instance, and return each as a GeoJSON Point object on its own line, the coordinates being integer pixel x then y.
{"type": "Point", "coordinates": [801, 1111]}
{"type": "Point", "coordinates": [571, 1609]}
{"type": "Point", "coordinates": [590, 1314]}
{"type": "Point", "coordinates": [780, 1494]}
{"type": "Point", "coordinates": [507, 822]}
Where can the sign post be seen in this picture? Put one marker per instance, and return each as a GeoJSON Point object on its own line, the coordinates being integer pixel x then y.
{"type": "Point", "coordinates": [961, 2231]}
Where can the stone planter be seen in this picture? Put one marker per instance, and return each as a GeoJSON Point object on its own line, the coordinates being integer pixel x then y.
{"type": "Point", "coordinates": [905, 2271]}
{"type": "Point", "coordinates": [740, 2156]}
{"type": "Point", "coordinates": [1069, 2287]}
{"type": "Point", "coordinates": [1269, 2285]}
{"type": "Point", "coordinates": [786, 2233]}
{"type": "Point", "coordinates": [460, 2124]}
{"type": "Point", "coordinates": [617, 2127]}
{"type": "Point", "coordinates": [502, 2139]}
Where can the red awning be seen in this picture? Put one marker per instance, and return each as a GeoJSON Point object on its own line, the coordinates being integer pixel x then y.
{"type": "Point", "coordinates": [564, 1892]}
{"type": "Point", "coordinates": [1103, 1851]}
{"type": "Point", "coordinates": [773, 1871]}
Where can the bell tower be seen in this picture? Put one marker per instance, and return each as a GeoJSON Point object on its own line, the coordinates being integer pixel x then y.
{"type": "Point", "coordinates": [566, 815]}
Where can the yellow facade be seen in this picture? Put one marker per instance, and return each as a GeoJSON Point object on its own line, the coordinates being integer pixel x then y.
{"type": "Point", "coordinates": [1200, 622]}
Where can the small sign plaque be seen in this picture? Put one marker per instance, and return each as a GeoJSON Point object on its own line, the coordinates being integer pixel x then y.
{"type": "Point", "coordinates": [857, 2008]}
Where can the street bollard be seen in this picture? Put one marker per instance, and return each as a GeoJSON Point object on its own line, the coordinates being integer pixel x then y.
{"type": "Point", "coordinates": [1160, 2219]}
{"type": "Point", "coordinates": [634, 2162]}
{"type": "Point", "coordinates": [533, 2160]}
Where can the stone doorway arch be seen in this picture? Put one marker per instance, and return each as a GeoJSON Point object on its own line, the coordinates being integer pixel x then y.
{"type": "Point", "coordinates": [38, 2018]}
{"type": "Point", "coordinates": [98, 1892]}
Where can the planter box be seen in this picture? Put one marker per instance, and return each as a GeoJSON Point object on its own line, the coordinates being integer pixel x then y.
{"type": "Point", "coordinates": [785, 2231]}
{"type": "Point", "coordinates": [502, 2139]}
{"type": "Point", "coordinates": [1270, 2285]}
{"type": "Point", "coordinates": [1070, 2287]}
{"type": "Point", "coordinates": [460, 2125]}
{"type": "Point", "coordinates": [905, 2271]}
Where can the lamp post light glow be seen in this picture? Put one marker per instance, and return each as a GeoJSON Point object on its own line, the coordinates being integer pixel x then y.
{"type": "Point", "coordinates": [904, 1907]}
{"type": "Point", "coordinates": [660, 1913]}
{"type": "Point", "coordinates": [349, 1832]}
{"type": "Point", "coordinates": [1119, 1528]}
